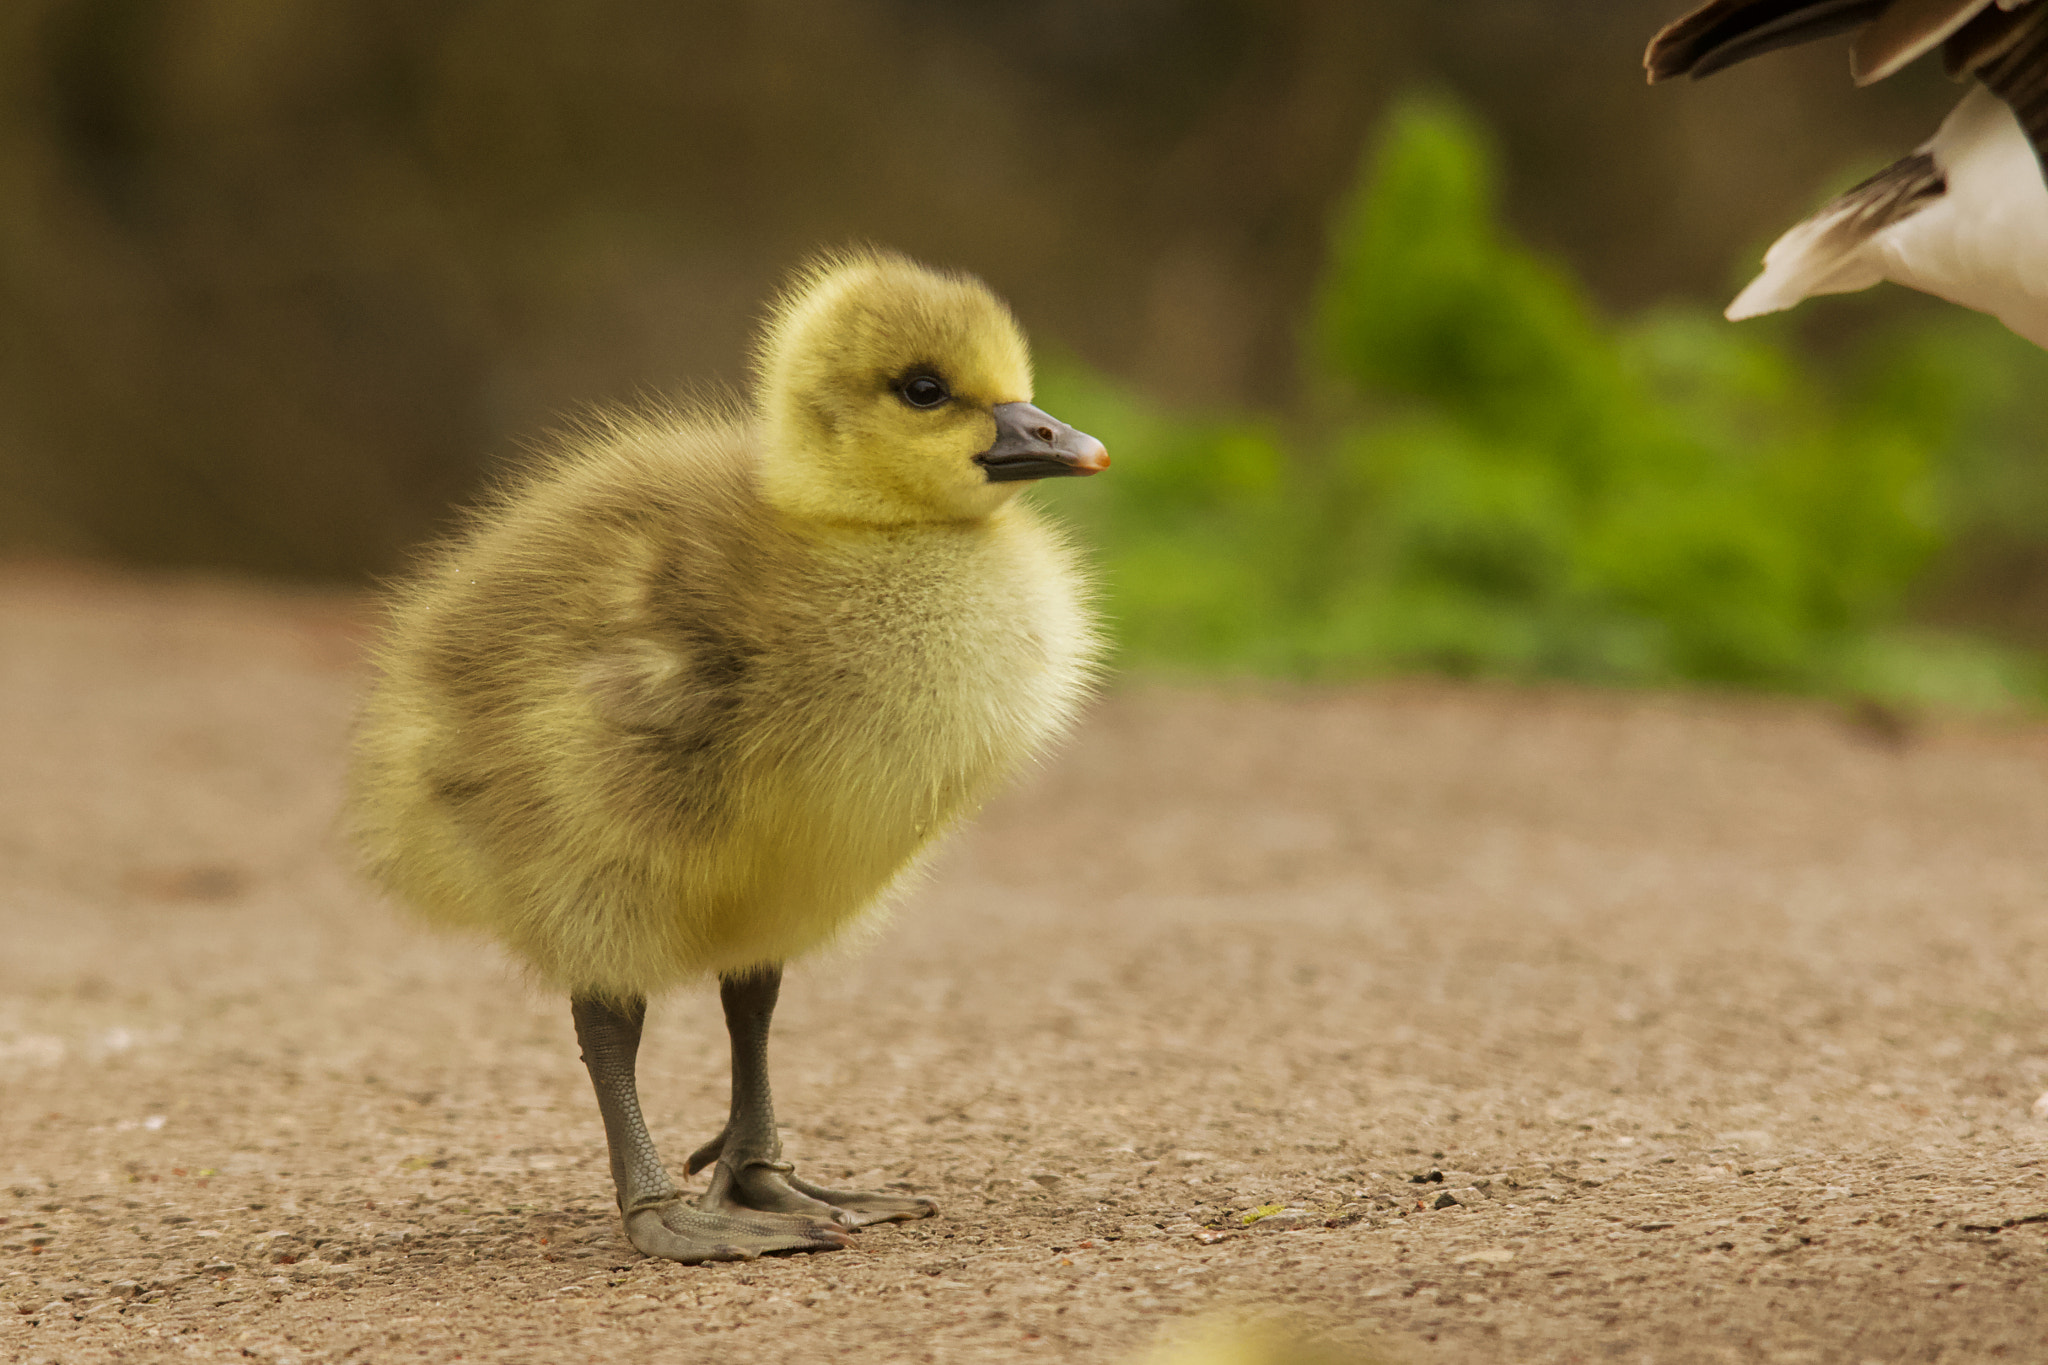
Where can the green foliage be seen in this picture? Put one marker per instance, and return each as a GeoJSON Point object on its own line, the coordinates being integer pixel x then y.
{"type": "Point", "coordinates": [1511, 485]}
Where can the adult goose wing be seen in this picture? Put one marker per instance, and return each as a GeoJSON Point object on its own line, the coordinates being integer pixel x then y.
{"type": "Point", "coordinates": [1907, 29]}
{"type": "Point", "coordinates": [1827, 254]}
{"type": "Point", "coordinates": [1721, 33]}
{"type": "Point", "coordinates": [2006, 47]}
{"type": "Point", "coordinates": [2003, 43]}
{"type": "Point", "coordinates": [1966, 215]}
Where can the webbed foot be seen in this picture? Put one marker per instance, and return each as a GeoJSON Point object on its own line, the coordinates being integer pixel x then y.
{"type": "Point", "coordinates": [772, 1187]}
{"type": "Point", "coordinates": [681, 1231]}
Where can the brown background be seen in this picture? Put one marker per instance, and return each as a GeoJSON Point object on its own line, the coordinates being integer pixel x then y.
{"type": "Point", "coordinates": [279, 281]}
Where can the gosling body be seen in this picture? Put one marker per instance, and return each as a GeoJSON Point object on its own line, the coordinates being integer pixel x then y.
{"type": "Point", "coordinates": [698, 693]}
{"type": "Point", "coordinates": [644, 727]}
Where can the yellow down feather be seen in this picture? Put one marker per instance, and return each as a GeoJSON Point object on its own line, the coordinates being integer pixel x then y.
{"type": "Point", "coordinates": [701, 688]}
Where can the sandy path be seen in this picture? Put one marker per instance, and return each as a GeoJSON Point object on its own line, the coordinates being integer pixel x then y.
{"type": "Point", "coordinates": [1721, 1020]}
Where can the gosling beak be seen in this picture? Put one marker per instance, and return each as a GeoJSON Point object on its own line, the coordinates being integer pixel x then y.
{"type": "Point", "coordinates": [1036, 445]}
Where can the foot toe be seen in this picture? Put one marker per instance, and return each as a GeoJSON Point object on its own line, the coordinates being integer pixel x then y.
{"type": "Point", "coordinates": [859, 1210]}
{"type": "Point", "coordinates": [755, 1189]}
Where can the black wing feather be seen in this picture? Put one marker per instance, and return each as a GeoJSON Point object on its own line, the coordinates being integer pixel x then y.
{"type": "Point", "coordinates": [1721, 33]}
{"type": "Point", "coordinates": [2008, 51]}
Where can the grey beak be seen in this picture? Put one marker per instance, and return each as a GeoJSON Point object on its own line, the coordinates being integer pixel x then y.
{"type": "Point", "coordinates": [1031, 444]}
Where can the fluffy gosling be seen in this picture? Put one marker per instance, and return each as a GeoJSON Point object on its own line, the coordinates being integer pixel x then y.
{"type": "Point", "coordinates": [1966, 216]}
{"type": "Point", "coordinates": [695, 695]}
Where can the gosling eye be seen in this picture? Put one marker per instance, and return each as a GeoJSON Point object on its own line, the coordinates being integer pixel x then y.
{"type": "Point", "coordinates": [923, 391]}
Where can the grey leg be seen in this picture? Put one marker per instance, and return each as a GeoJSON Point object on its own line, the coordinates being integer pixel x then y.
{"type": "Point", "coordinates": [750, 1172]}
{"type": "Point", "coordinates": [658, 1221]}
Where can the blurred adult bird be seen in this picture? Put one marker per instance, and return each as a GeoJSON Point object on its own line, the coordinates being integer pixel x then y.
{"type": "Point", "coordinates": [694, 696]}
{"type": "Point", "coordinates": [1966, 215]}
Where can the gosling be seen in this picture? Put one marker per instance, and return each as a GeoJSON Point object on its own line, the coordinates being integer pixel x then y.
{"type": "Point", "coordinates": [1965, 217]}
{"type": "Point", "coordinates": [697, 694]}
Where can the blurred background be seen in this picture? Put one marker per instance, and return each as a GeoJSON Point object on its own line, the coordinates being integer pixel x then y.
{"type": "Point", "coordinates": [1401, 319]}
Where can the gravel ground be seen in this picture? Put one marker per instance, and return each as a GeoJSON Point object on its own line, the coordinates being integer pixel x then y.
{"type": "Point", "coordinates": [1463, 1023]}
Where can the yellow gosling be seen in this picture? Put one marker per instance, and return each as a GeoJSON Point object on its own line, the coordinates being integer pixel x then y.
{"type": "Point", "coordinates": [695, 695]}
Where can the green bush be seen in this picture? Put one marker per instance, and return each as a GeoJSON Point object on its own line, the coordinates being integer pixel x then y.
{"type": "Point", "coordinates": [1513, 486]}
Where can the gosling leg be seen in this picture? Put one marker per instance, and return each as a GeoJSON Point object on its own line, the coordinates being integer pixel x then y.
{"type": "Point", "coordinates": [659, 1222]}
{"type": "Point", "coordinates": [750, 1173]}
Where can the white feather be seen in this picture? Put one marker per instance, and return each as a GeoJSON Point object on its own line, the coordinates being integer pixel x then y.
{"type": "Point", "coordinates": [1982, 243]}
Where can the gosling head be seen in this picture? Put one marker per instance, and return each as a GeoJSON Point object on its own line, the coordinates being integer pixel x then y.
{"type": "Point", "coordinates": [892, 394]}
